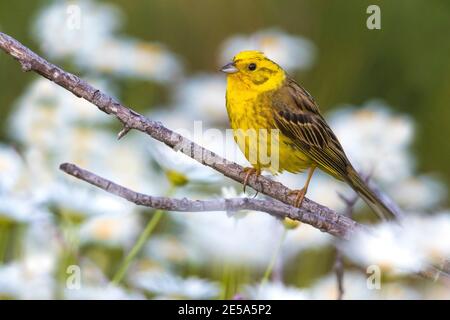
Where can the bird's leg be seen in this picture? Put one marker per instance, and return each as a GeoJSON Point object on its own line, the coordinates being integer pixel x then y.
{"type": "Point", "coordinates": [300, 194]}
{"type": "Point", "coordinates": [248, 172]}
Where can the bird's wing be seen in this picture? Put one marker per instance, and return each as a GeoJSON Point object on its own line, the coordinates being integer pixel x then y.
{"type": "Point", "coordinates": [298, 117]}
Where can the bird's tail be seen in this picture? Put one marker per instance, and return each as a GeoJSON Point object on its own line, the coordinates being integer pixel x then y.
{"type": "Point", "coordinates": [369, 196]}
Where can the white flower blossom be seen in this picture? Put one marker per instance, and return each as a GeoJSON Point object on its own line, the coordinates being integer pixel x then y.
{"type": "Point", "coordinates": [79, 199]}
{"type": "Point", "coordinates": [38, 120]}
{"type": "Point", "coordinates": [385, 247]}
{"type": "Point", "coordinates": [32, 276]}
{"type": "Point", "coordinates": [167, 249]}
{"type": "Point", "coordinates": [376, 141]}
{"type": "Point", "coordinates": [46, 112]}
{"type": "Point", "coordinates": [407, 248]}
{"type": "Point", "coordinates": [218, 237]}
{"type": "Point", "coordinates": [111, 229]}
{"type": "Point", "coordinates": [18, 281]}
{"type": "Point", "coordinates": [66, 28]}
{"type": "Point", "coordinates": [430, 235]}
{"type": "Point", "coordinates": [291, 52]}
{"type": "Point", "coordinates": [418, 193]}
{"type": "Point", "coordinates": [275, 291]}
{"type": "Point", "coordinates": [21, 209]}
{"type": "Point", "coordinates": [99, 292]}
{"type": "Point", "coordinates": [11, 168]}
{"type": "Point", "coordinates": [87, 34]}
{"type": "Point", "coordinates": [167, 285]}
{"type": "Point", "coordinates": [128, 57]}
{"type": "Point", "coordinates": [202, 97]}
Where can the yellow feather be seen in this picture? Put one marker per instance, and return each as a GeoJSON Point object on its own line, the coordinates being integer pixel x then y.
{"type": "Point", "coordinates": [250, 108]}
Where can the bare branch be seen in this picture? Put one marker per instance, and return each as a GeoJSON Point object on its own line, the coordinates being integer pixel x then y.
{"type": "Point", "coordinates": [123, 132]}
{"type": "Point", "coordinates": [339, 271]}
{"type": "Point", "coordinates": [271, 206]}
{"type": "Point", "coordinates": [338, 267]}
{"type": "Point", "coordinates": [314, 214]}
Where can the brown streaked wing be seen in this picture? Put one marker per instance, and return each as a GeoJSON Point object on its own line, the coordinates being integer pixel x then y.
{"type": "Point", "coordinates": [298, 117]}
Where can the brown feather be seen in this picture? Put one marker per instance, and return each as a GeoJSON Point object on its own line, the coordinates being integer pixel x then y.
{"type": "Point", "coordinates": [298, 116]}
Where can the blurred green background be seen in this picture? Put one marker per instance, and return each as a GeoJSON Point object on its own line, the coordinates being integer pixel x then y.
{"type": "Point", "coordinates": [406, 63]}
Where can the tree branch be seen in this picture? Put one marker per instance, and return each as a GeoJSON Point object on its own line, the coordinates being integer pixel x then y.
{"type": "Point", "coordinates": [271, 206]}
{"type": "Point", "coordinates": [312, 213]}
{"type": "Point", "coordinates": [339, 267]}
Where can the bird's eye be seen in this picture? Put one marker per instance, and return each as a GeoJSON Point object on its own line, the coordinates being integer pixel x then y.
{"type": "Point", "coordinates": [252, 66]}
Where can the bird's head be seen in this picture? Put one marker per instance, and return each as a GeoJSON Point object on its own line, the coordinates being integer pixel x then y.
{"type": "Point", "coordinates": [252, 70]}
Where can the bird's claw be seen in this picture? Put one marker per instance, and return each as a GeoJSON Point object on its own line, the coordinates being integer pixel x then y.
{"type": "Point", "coordinates": [299, 196]}
{"type": "Point", "coordinates": [248, 172]}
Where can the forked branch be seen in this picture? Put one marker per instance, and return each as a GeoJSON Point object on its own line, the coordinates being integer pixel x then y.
{"type": "Point", "coordinates": [312, 213]}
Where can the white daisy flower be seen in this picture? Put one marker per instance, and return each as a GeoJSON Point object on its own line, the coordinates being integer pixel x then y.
{"type": "Point", "coordinates": [11, 168]}
{"type": "Point", "coordinates": [430, 235]}
{"type": "Point", "coordinates": [202, 97]}
{"type": "Point", "coordinates": [418, 193]}
{"type": "Point", "coordinates": [168, 285]}
{"type": "Point", "coordinates": [78, 199]}
{"type": "Point", "coordinates": [275, 291]}
{"type": "Point", "coordinates": [38, 119]}
{"type": "Point", "coordinates": [111, 229]}
{"type": "Point", "coordinates": [218, 237]}
{"type": "Point", "coordinates": [86, 33]}
{"type": "Point", "coordinates": [32, 276]}
{"type": "Point", "coordinates": [291, 52]}
{"type": "Point", "coordinates": [21, 209]}
{"type": "Point", "coordinates": [386, 247]}
{"type": "Point", "coordinates": [80, 25]}
{"type": "Point", "coordinates": [101, 292]}
{"type": "Point", "coordinates": [419, 241]}
{"type": "Point", "coordinates": [167, 249]}
{"type": "Point", "coordinates": [128, 57]}
{"type": "Point", "coordinates": [381, 144]}
{"type": "Point", "coordinates": [46, 112]}
{"type": "Point", "coordinates": [19, 281]}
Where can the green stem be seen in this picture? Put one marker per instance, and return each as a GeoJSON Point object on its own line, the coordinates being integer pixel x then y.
{"type": "Point", "coordinates": [143, 237]}
{"type": "Point", "coordinates": [274, 258]}
{"type": "Point", "coordinates": [225, 281]}
{"type": "Point", "coordinates": [4, 235]}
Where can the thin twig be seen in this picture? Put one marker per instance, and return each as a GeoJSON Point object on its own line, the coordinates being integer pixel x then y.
{"type": "Point", "coordinates": [270, 206]}
{"type": "Point", "coordinates": [339, 258]}
{"type": "Point", "coordinates": [339, 270]}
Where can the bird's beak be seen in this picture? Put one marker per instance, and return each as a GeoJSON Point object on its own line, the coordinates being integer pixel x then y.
{"type": "Point", "coordinates": [229, 68]}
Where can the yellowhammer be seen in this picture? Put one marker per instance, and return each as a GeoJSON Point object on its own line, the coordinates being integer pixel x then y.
{"type": "Point", "coordinates": [278, 126]}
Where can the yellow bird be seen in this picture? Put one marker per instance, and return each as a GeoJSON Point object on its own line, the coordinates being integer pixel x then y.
{"type": "Point", "coordinates": [278, 126]}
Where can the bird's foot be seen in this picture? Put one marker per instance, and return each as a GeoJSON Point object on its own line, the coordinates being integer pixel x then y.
{"type": "Point", "coordinates": [248, 172]}
{"type": "Point", "coordinates": [299, 196]}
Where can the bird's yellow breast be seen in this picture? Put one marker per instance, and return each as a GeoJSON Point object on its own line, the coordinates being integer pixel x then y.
{"type": "Point", "coordinates": [255, 132]}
